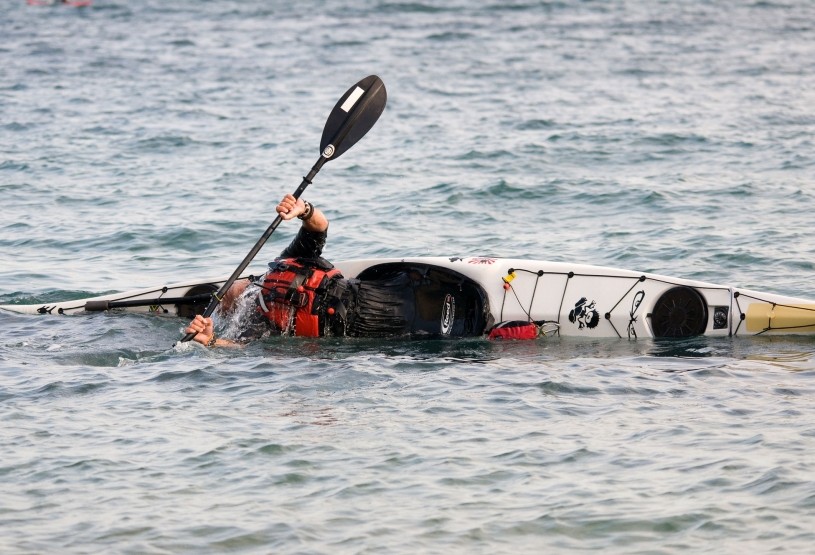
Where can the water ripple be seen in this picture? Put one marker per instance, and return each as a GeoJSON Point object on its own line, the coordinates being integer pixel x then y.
{"type": "Point", "coordinates": [148, 142]}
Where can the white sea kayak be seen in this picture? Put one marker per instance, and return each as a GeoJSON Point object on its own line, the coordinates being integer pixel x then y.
{"type": "Point", "coordinates": [564, 299]}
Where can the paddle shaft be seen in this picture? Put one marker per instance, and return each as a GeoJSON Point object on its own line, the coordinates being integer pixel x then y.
{"type": "Point", "coordinates": [218, 296]}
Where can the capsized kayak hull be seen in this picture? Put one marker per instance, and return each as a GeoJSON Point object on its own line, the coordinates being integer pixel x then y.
{"type": "Point", "coordinates": [571, 299]}
{"type": "Point", "coordinates": [596, 301]}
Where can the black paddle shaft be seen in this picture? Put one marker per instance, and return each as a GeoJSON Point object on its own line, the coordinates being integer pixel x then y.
{"type": "Point", "coordinates": [352, 117]}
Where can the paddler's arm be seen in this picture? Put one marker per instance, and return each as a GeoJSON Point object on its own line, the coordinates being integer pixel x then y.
{"type": "Point", "coordinates": [310, 240]}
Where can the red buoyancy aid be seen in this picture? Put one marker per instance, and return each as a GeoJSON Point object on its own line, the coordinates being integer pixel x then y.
{"type": "Point", "coordinates": [516, 329]}
{"type": "Point", "coordinates": [292, 293]}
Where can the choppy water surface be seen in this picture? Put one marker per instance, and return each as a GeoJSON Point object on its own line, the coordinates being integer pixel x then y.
{"type": "Point", "coordinates": [144, 142]}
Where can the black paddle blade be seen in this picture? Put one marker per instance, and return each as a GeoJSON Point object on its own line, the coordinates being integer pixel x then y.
{"type": "Point", "coordinates": [353, 116]}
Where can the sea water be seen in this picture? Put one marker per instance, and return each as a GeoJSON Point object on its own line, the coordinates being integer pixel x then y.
{"type": "Point", "coordinates": [148, 142]}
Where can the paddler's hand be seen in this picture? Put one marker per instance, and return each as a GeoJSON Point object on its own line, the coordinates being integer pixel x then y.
{"type": "Point", "coordinates": [290, 207]}
{"type": "Point", "coordinates": [203, 328]}
{"type": "Point", "coordinates": [312, 217]}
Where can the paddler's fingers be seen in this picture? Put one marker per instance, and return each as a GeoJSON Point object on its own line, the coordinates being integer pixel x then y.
{"type": "Point", "coordinates": [199, 324]}
{"type": "Point", "coordinates": [289, 208]}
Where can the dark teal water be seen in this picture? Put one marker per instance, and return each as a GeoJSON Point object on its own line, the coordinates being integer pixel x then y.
{"type": "Point", "coordinates": [146, 142]}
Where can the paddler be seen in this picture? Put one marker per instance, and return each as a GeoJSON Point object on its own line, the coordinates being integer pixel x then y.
{"type": "Point", "coordinates": [303, 294]}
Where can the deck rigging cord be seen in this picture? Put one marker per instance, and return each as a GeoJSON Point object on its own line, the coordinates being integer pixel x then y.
{"type": "Point", "coordinates": [693, 321]}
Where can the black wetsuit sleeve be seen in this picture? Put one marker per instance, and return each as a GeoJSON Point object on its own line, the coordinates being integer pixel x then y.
{"type": "Point", "coordinates": [307, 244]}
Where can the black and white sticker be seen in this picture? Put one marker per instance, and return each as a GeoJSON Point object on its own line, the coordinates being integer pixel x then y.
{"type": "Point", "coordinates": [448, 314]}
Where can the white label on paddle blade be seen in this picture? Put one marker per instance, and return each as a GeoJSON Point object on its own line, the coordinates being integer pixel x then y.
{"type": "Point", "coordinates": [352, 99]}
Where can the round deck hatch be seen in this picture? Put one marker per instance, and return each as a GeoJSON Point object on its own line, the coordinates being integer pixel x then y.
{"type": "Point", "coordinates": [679, 312]}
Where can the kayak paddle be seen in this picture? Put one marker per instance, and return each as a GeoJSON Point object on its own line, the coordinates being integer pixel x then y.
{"type": "Point", "coordinates": [352, 117]}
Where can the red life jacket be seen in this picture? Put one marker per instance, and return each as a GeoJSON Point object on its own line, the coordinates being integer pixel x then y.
{"type": "Point", "coordinates": [292, 295]}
